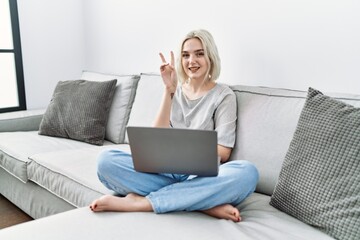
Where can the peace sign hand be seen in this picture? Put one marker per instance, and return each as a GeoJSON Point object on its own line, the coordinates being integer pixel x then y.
{"type": "Point", "coordinates": [168, 73]}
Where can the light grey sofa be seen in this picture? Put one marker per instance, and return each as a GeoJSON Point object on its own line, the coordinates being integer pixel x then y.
{"type": "Point", "coordinates": [46, 175]}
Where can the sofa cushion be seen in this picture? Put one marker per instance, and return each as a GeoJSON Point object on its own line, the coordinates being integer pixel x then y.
{"type": "Point", "coordinates": [16, 147]}
{"type": "Point", "coordinates": [266, 122]}
{"type": "Point", "coordinates": [147, 101]}
{"type": "Point", "coordinates": [260, 221]}
{"type": "Point", "coordinates": [79, 110]}
{"type": "Point", "coordinates": [319, 181]}
{"type": "Point", "coordinates": [32, 199]}
{"type": "Point", "coordinates": [65, 172]}
{"type": "Point", "coordinates": [121, 104]}
{"type": "Point", "coordinates": [267, 119]}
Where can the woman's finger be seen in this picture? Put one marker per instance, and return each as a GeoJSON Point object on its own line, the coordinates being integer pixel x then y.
{"type": "Point", "coordinates": [162, 58]}
{"type": "Point", "coordinates": [172, 58]}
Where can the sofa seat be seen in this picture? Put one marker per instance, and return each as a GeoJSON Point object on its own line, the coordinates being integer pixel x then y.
{"type": "Point", "coordinates": [70, 174]}
{"type": "Point", "coordinates": [16, 147]}
{"type": "Point", "coordinates": [260, 222]}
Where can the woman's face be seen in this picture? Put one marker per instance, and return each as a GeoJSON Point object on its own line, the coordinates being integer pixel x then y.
{"type": "Point", "coordinates": [193, 59]}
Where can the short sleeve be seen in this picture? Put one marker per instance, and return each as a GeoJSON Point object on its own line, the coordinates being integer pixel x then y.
{"type": "Point", "coordinates": [225, 120]}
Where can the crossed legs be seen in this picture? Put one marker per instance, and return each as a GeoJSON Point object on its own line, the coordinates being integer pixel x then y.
{"type": "Point", "coordinates": [215, 196]}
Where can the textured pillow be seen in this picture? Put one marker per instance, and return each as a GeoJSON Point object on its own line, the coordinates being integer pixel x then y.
{"type": "Point", "coordinates": [319, 182]}
{"type": "Point", "coordinates": [79, 110]}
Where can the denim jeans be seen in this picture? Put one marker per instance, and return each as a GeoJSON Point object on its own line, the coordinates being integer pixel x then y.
{"type": "Point", "coordinates": [236, 180]}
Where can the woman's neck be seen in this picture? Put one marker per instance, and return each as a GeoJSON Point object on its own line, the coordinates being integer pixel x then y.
{"type": "Point", "coordinates": [194, 89]}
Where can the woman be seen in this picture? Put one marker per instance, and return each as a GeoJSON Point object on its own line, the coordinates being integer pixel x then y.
{"type": "Point", "coordinates": [195, 101]}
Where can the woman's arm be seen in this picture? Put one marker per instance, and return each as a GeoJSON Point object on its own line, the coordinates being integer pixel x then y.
{"type": "Point", "coordinates": [168, 75]}
{"type": "Point", "coordinates": [162, 118]}
{"type": "Point", "coordinates": [225, 124]}
{"type": "Point", "coordinates": [224, 153]}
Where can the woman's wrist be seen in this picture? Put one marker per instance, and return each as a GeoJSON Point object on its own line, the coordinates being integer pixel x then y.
{"type": "Point", "coordinates": [170, 92]}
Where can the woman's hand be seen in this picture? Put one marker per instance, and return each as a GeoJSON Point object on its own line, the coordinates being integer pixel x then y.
{"type": "Point", "coordinates": [168, 73]}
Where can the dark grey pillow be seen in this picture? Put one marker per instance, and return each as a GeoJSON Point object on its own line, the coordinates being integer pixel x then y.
{"type": "Point", "coordinates": [319, 182]}
{"type": "Point", "coordinates": [79, 110]}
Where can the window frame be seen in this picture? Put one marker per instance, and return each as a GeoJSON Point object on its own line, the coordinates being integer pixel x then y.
{"type": "Point", "coordinates": [17, 57]}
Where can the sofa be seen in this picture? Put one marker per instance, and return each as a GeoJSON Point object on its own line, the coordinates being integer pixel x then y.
{"type": "Point", "coordinates": [53, 179]}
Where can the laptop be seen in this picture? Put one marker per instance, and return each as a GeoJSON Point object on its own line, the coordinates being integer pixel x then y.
{"type": "Point", "coordinates": [173, 150]}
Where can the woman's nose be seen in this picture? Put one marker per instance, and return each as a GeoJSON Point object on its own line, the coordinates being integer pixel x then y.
{"type": "Point", "coordinates": [191, 58]}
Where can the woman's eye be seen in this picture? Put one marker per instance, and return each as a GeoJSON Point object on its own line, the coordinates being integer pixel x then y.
{"type": "Point", "coordinates": [185, 55]}
{"type": "Point", "coordinates": [200, 54]}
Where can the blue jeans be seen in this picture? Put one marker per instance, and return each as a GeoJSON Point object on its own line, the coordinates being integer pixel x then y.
{"type": "Point", "coordinates": [236, 180]}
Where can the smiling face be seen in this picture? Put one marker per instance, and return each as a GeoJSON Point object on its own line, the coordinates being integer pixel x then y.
{"type": "Point", "coordinates": [193, 59]}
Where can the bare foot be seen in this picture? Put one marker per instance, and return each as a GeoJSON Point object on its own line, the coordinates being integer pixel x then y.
{"type": "Point", "coordinates": [131, 203]}
{"type": "Point", "coordinates": [225, 211]}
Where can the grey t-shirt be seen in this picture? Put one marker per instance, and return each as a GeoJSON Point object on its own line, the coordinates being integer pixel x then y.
{"type": "Point", "coordinates": [214, 111]}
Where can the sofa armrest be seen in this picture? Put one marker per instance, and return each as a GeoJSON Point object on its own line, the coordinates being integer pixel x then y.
{"type": "Point", "coordinates": [28, 120]}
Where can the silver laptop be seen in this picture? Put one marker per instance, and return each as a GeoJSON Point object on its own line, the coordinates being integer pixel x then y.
{"type": "Point", "coordinates": [171, 150]}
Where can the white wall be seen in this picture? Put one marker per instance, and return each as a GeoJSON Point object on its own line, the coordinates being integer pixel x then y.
{"type": "Point", "coordinates": [52, 40]}
{"type": "Point", "coordinates": [278, 43]}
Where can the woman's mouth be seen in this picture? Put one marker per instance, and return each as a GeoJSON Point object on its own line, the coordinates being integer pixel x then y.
{"type": "Point", "coordinates": [193, 69]}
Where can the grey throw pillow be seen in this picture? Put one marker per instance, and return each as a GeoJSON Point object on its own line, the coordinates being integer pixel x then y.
{"type": "Point", "coordinates": [319, 182]}
{"type": "Point", "coordinates": [79, 110]}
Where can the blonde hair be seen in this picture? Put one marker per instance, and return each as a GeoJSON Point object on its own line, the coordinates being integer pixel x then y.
{"type": "Point", "coordinates": [210, 51]}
